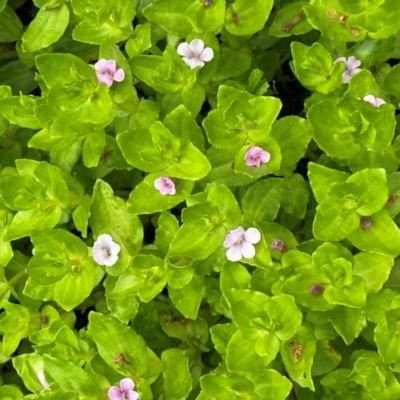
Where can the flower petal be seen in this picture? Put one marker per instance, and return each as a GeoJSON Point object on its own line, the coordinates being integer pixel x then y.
{"type": "Point", "coordinates": [207, 54]}
{"type": "Point", "coordinates": [193, 63]}
{"type": "Point", "coordinates": [103, 78]}
{"type": "Point", "coordinates": [104, 240]}
{"type": "Point", "coordinates": [114, 393]}
{"type": "Point", "coordinates": [234, 253]}
{"type": "Point", "coordinates": [111, 66]}
{"type": "Point", "coordinates": [126, 385]}
{"type": "Point", "coordinates": [132, 395]}
{"type": "Point", "coordinates": [159, 183]}
{"type": "Point", "coordinates": [379, 102]}
{"type": "Point", "coordinates": [370, 99]}
{"type": "Point", "coordinates": [355, 71]}
{"type": "Point", "coordinates": [99, 258]}
{"type": "Point", "coordinates": [341, 59]}
{"type": "Point", "coordinates": [184, 50]}
{"type": "Point", "coordinates": [101, 65]}
{"type": "Point", "coordinates": [115, 248]}
{"type": "Point", "coordinates": [119, 75]}
{"type": "Point", "coordinates": [196, 46]}
{"type": "Point", "coordinates": [254, 151]}
{"type": "Point", "coordinates": [248, 250]}
{"type": "Point", "coordinates": [233, 237]}
{"type": "Point", "coordinates": [252, 235]}
{"type": "Point", "coordinates": [110, 260]}
{"type": "Point", "coordinates": [265, 157]}
{"type": "Point", "coordinates": [352, 63]}
{"type": "Point", "coordinates": [43, 380]}
{"type": "Point", "coordinates": [346, 77]}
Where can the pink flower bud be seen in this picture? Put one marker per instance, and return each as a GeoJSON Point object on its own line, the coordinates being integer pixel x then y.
{"type": "Point", "coordinates": [366, 223]}
{"type": "Point", "coordinates": [279, 245]}
{"type": "Point", "coordinates": [316, 289]}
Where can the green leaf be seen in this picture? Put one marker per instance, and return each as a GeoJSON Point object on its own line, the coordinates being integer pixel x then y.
{"type": "Point", "coordinates": [47, 27]}
{"type": "Point", "coordinates": [270, 384]}
{"type": "Point", "coordinates": [374, 269]}
{"type": "Point", "coordinates": [227, 205]}
{"type": "Point", "coordinates": [233, 62]}
{"type": "Point", "coordinates": [262, 200]}
{"type": "Point", "coordinates": [146, 199]}
{"type": "Point", "coordinates": [167, 228]}
{"type": "Point", "coordinates": [71, 378]}
{"type": "Point", "coordinates": [290, 20]}
{"type": "Point", "coordinates": [56, 187]}
{"type": "Point", "coordinates": [206, 18]}
{"type": "Point", "coordinates": [241, 355]}
{"type": "Point", "coordinates": [187, 299]}
{"type": "Point", "coordinates": [11, 393]}
{"type": "Point", "coordinates": [326, 359]}
{"type": "Point", "coordinates": [314, 67]}
{"type": "Point", "coordinates": [293, 135]}
{"type": "Point", "coordinates": [322, 178]}
{"type": "Point", "coordinates": [110, 213]}
{"type": "Point", "coordinates": [177, 378]}
{"type": "Point", "coordinates": [327, 20]}
{"type": "Point", "coordinates": [170, 16]}
{"type": "Point", "coordinates": [243, 18]}
{"type": "Point", "coordinates": [285, 315]}
{"type": "Point", "coordinates": [331, 131]}
{"type": "Point", "coordinates": [126, 343]}
{"type": "Point", "coordinates": [298, 354]}
{"type": "Point", "coordinates": [383, 237]}
{"type": "Point", "coordinates": [348, 322]}
{"type": "Point", "coordinates": [201, 234]}
{"type": "Point", "coordinates": [141, 40]}
{"type": "Point", "coordinates": [295, 194]}
{"type": "Point", "coordinates": [370, 189]}
{"type": "Point", "coordinates": [20, 192]}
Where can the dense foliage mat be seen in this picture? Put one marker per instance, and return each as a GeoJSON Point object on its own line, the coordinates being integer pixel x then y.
{"type": "Point", "coordinates": [199, 199]}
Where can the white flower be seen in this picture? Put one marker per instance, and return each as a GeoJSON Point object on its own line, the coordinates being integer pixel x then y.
{"type": "Point", "coordinates": [105, 250]}
{"type": "Point", "coordinates": [42, 380]}
{"type": "Point", "coordinates": [375, 101]}
{"type": "Point", "coordinates": [194, 54]}
{"type": "Point", "coordinates": [240, 243]}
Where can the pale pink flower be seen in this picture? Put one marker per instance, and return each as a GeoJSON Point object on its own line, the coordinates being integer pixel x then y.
{"type": "Point", "coordinates": [124, 391]}
{"type": "Point", "coordinates": [375, 101]}
{"type": "Point", "coordinates": [351, 65]}
{"type": "Point", "coordinates": [240, 243]}
{"type": "Point", "coordinates": [194, 54]}
{"type": "Point", "coordinates": [105, 250]}
{"type": "Point", "coordinates": [255, 156]}
{"type": "Point", "coordinates": [107, 72]}
{"type": "Point", "coordinates": [165, 185]}
{"type": "Point", "coordinates": [42, 380]}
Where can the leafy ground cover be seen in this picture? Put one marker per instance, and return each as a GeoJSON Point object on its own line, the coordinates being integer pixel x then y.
{"type": "Point", "coordinates": [199, 199]}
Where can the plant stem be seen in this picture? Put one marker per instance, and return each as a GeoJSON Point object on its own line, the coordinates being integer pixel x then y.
{"type": "Point", "coordinates": [11, 283]}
